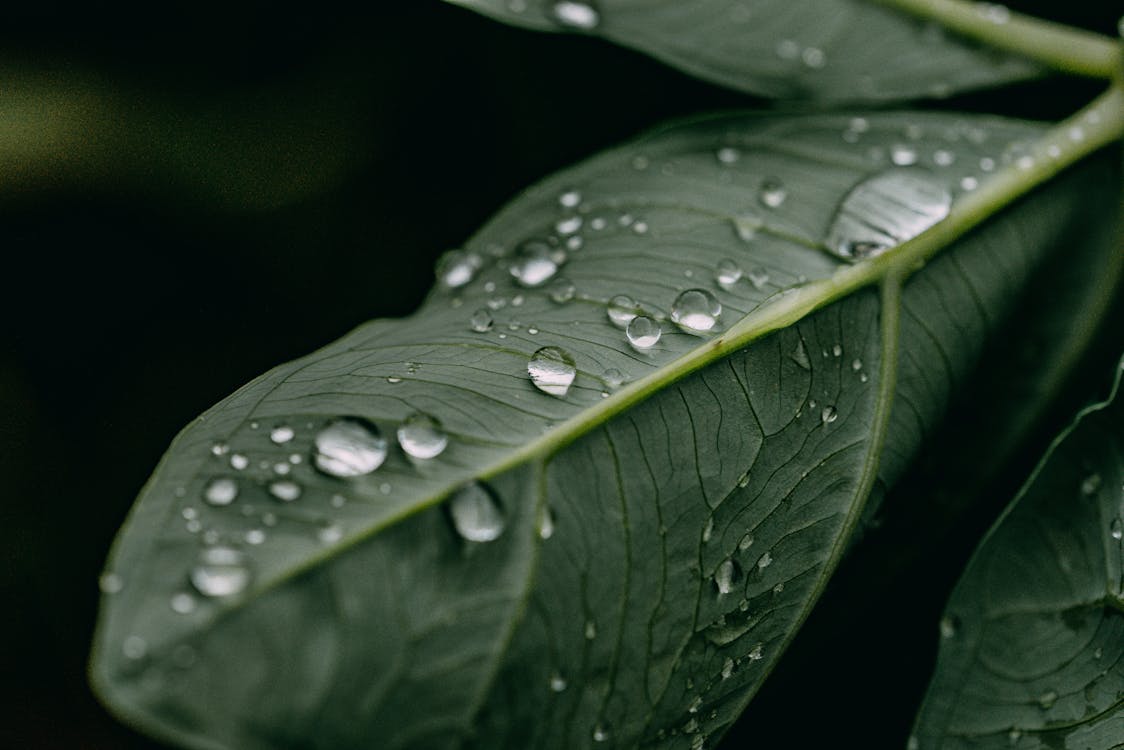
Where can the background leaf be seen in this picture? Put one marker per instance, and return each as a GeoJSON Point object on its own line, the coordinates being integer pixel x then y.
{"type": "Point", "coordinates": [623, 607]}
{"type": "Point", "coordinates": [1031, 648]}
{"type": "Point", "coordinates": [808, 49]}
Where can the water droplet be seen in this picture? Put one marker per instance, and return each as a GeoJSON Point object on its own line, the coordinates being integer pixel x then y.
{"type": "Point", "coordinates": [600, 733]}
{"type": "Point", "coordinates": [757, 653]}
{"type": "Point", "coordinates": [183, 603]}
{"type": "Point", "coordinates": [829, 415]}
{"type": "Point", "coordinates": [727, 576]}
{"type": "Point", "coordinates": [110, 583]}
{"type": "Point", "coordinates": [220, 491]}
{"type": "Point", "coordinates": [219, 449]}
{"type": "Point", "coordinates": [546, 524]}
{"type": "Point", "coordinates": [747, 225]}
{"type": "Point", "coordinates": [568, 225]}
{"type": "Point", "coordinates": [552, 371]}
{"type": "Point", "coordinates": [696, 310]}
{"type": "Point", "coordinates": [913, 743]}
{"type": "Point", "coordinates": [421, 436]}
{"type": "Point", "coordinates": [728, 155]}
{"type": "Point", "coordinates": [903, 155]}
{"type": "Point", "coordinates": [764, 561]}
{"type": "Point", "coordinates": [481, 321]}
{"type": "Point", "coordinates": [969, 183]}
{"type": "Point", "coordinates": [576, 14]}
{"type": "Point", "coordinates": [282, 434]}
{"type": "Point", "coordinates": [134, 647]}
{"type": "Point", "coordinates": [643, 332]}
{"type": "Point", "coordinates": [837, 350]}
{"type": "Point", "coordinates": [238, 462]}
{"type": "Point", "coordinates": [1090, 485]}
{"type": "Point", "coordinates": [349, 447]}
{"type": "Point", "coordinates": [787, 49]}
{"type": "Point", "coordinates": [590, 630]}
{"type": "Point", "coordinates": [1116, 529]}
{"type": "Point", "coordinates": [759, 277]}
{"type": "Point", "coordinates": [799, 355]}
{"type": "Point", "coordinates": [856, 364]}
{"type": "Point", "coordinates": [993, 13]}
{"type": "Point", "coordinates": [943, 158]}
{"type": "Point", "coordinates": [535, 263]}
{"type": "Point", "coordinates": [254, 537]}
{"type": "Point", "coordinates": [330, 533]}
{"type": "Point", "coordinates": [987, 164]}
{"type": "Point", "coordinates": [728, 274]}
{"type": "Point", "coordinates": [221, 571]}
{"type": "Point", "coordinates": [621, 310]}
{"type": "Point", "coordinates": [885, 210]}
{"type": "Point", "coordinates": [557, 682]}
{"type": "Point", "coordinates": [457, 267]}
{"type": "Point", "coordinates": [561, 290]}
{"type": "Point", "coordinates": [1047, 699]}
{"type": "Point", "coordinates": [285, 490]}
{"type": "Point", "coordinates": [746, 542]}
{"type": "Point", "coordinates": [813, 57]}
{"type": "Point", "coordinates": [948, 627]}
{"type": "Point", "coordinates": [772, 193]}
{"type": "Point", "coordinates": [727, 668]}
{"type": "Point", "coordinates": [570, 199]}
{"type": "Point", "coordinates": [476, 513]}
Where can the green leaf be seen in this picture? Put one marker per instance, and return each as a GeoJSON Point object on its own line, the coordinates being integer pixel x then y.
{"type": "Point", "coordinates": [804, 49]}
{"type": "Point", "coordinates": [1032, 636]}
{"type": "Point", "coordinates": [696, 510]}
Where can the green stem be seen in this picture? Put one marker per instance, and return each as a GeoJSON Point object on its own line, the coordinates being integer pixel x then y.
{"type": "Point", "coordinates": [1058, 46]}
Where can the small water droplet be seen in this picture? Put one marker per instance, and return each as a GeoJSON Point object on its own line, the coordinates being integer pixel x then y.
{"type": "Point", "coordinates": [221, 491]}
{"type": "Point", "coordinates": [330, 533]}
{"type": "Point", "coordinates": [948, 627]}
{"type": "Point", "coordinates": [285, 490]}
{"type": "Point", "coordinates": [570, 199]}
{"type": "Point", "coordinates": [183, 603]}
{"type": "Point", "coordinates": [1116, 529]}
{"type": "Point", "coordinates": [457, 267]}
{"type": "Point", "coordinates": [476, 513]}
{"type": "Point", "coordinates": [561, 290]}
{"type": "Point", "coordinates": [1013, 737]}
{"type": "Point", "coordinates": [568, 225]}
{"type": "Point", "coordinates": [349, 447]}
{"type": "Point", "coordinates": [1047, 699]}
{"type": "Point", "coordinates": [613, 378]}
{"type": "Point", "coordinates": [696, 310]}
{"type": "Point", "coordinates": [575, 14]}
{"type": "Point", "coordinates": [219, 449]}
{"type": "Point", "coordinates": [481, 321]}
{"type": "Point", "coordinates": [746, 226]}
{"type": "Point", "coordinates": [913, 743]}
{"type": "Point", "coordinates": [764, 561]}
{"type": "Point", "coordinates": [110, 583]}
{"type": "Point", "coordinates": [552, 371]}
{"type": "Point", "coordinates": [622, 309]}
{"type": "Point", "coordinates": [601, 733]}
{"type": "Point", "coordinates": [728, 155]}
{"type": "Point", "coordinates": [727, 668]}
{"type": "Point", "coordinates": [885, 210]}
{"type": "Point", "coordinates": [903, 155]}
{"type": "Point", "coordinates": [421, 436]}
{"type": "Point", "coordinates": [643, 332]}
{"type": "Point", "coordinates": [557, 682]}
{"type": "Point", "coordinates": [993, 13]}
{"type": "Point", "coordinates": [813, 57]}
{"type": "Point", "coordinates": [727, 576]}
{"type": "Point", "coordinates": [546, 524]}
{"type": "Point", "coordinates": [535, 263]}
{"type": "Point", "coordinates": [1090, 485]}
{"type": "Point", "coordinates": [987, 164]}
{"type": "Point", "coordinates": [728, 274]}
{"type": "Point", "coordinates": [254, 537]}
{"type": "Point", "coordinates": [773, 193]}
{"type": "Point", "coordinates": [590, 630]}
{"type": "Point", "coordinates": [787, 49]}
{"type": "Point", "coordinates": [220, 571]}
{"type": "Point", "coordinates": [799, 355]}
{"type": "Point", "coordinates": [238, 462]}
{"type": "Point", "coordinates": [969, 183]}
{"type": "Point", "coordinates": [829, 414]}
{"type": "Point", "coordinates": [746, 542]}
{"type": "Point", "coordinates": [134, 647]}
{"type": "Point", "coordinates": [282, 434]}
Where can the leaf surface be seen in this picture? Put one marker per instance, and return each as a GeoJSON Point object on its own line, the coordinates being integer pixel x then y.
{"type": "Point", "coordinates": [696, 510]}
{"type": "Point", "coordinates": [802, 49]}
{"type": "Point", "coordinates": [1032, 648]}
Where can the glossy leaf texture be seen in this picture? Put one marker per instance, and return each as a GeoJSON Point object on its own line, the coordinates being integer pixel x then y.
{"type": "Point", "coordinates": [612, 561]}
{"type": "Point", "coordinates": [842, 50]}
{"type": "Point", "coordinates": [1032, 646]}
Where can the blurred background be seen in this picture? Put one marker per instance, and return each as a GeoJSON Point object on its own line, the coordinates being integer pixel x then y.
{"type": "Point", "coordinates": [191, 194]}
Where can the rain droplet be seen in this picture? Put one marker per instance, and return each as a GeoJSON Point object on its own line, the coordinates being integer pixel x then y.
{"type": "Point", "coordinates": [856, 364]}
{"type": "Point", "coordinates": [421, 436]}
{"type": "Point", "coordinates": [829, 414]}
{"type": "Point", "coordinates": [535, 263]}
{"type": "Point", "coordinates": [773, 193]}
{"type": "Point", "coordinates": [349, 447]}
{"type": "Point", "coordinates": [476, 513]}
{"type": "Point", "coordinates": [282, 434]}
{"type": "Point", "coordinates": [220, 491]}
{"type": "Point", "coordinates": [576, 15]}
{"type": "Point", "coordinates": [557, 682]}
{"type": "Point", "coordinates": [747, 225]}
{"type": "Point", "coordinates": [457, 267]}
{"type": "Point", "coordinates": [943, 158]}
{"type": "Point", "coordinates": [561, 290]}
{"type": "Point", "coordinates": [747, 540]}
{"type": "Point", "coordinates": [643, 332]}
{"type": "Point", "coordinates": [836, 350]}
{"type": "Point", "coordinates": [622, 309]}
{"type": "Point", "coordinates": [728, 274]}
{"type": "Point", "coordinates": [969, 183]}
{"type": "Point", "coordinates": [285, 490]}
{"type": "Point", "coordinates": [727, 576]}
{"type": "Point", "coordinates": [885, 210]}
{"type": "Point", "coordinates": [552, 371]}
{"type": "Point", "coordinates": [221, 571]}
{"type": "Point", "coordinates": [696, 310]}
{"type": "Point", "coordinates": [481, 321]}
{"type": "Point", "coordinates": [813, 57]}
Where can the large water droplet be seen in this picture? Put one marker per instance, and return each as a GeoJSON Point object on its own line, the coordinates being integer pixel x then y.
{"type": "Point", "coordinates": [349, 447]}
{"type": "Point", "coordinates": [220, 571]}
{"type": "Point", "coordinates": [727, 576]}
{"type": "Point", "coordinates": [886, 210]}
{"type": "Point", "coordinates": [421, 436]}
{"type": "Point", "coordinates": [552, 370]}
{"type": "Point", "coordinates": [581, 15]}
{"type": "Point", "coordinates": [481, 321]}
{"type": "Point", "coordinates": [476, 513]}
{"type": "Point", "coordinates": [535, 263]}
{"type": "Point", "coordinates": [696, 310]}
{"type": "Point", "coordinates": [457, 267]}
{"type": "Point", "coordinates": [221, 491]}
{"type": "Point", "coordinates": [728, 274]}
{"type": "Point", "coordinates": [621, 310]}
{"type": "Point", "coordinates": [643, 332]}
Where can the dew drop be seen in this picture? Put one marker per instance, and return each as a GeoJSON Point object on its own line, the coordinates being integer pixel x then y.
{"type": "Point", "coordinates": [746, 226]}
{"type": "Point", "coordinates": [421, 436]}
{"type": "Point", "coordinates": [349, 447]}
{"type": "Point", "coordinates": [476, 513]}
{"type": "Point", "coordinates": [600, 733]}
{"type": "Point", "coordinates": [552, 371]}
{"type": "Point", "coordinates": [746, 542]}
{"type": "Point", "coordinates": [829, 415]}
{"type": "Point", "coordinates": [696, 310]}
{"type": "Point", "coordinates": [643, 332]}
{"type": "Point", "coordinates": [727, 576]}
{"type": "Point", "coordinates": [330, 533]}
{"type": "Point", "coordinates": [581, 15]}
{"type": "Point", "coordinates": [621, 310]}
{"type": "Point", "coordinates": [546, 524]}
{"type": "Point", "coordinates": [568, 225]}
{"type": "Point", "coordinates": [535, 263]}
{"type": "Point", "coordinates": [285, 490]}
{"type": "Point", "coordinates": [613, 378]}
{"type": "Point", "coordinates": [219, 449]}
{"type": "Point", "coordinates": [773, 193]}
{"type": "Point", "coordinates": [912, 743]}
{"type": "Point", "coordinates": [969, 183]}
{"type": "Point", "coordinates": [254, 537]}
{"type": "Point", "coordinates": [813, 57]}
{"type": "Point", "coordinates": [728, 274]}
{"type": "Point", "coordinates": [481, 321]}
{"type": "Point", "coordinates": [220, 491]}
{"type": "Point", "coordinates": [282, 434]}
{"type": "Point", "coordinates": [885, 210]}
{"type": "Point", "coordinates": [220, 571]}
{"type": "Point", "coordinates": [457, 267]}
{"type": "Point", "coordinates": [561, 290]}
{"type": "Point", "coordinates": [557, 682]}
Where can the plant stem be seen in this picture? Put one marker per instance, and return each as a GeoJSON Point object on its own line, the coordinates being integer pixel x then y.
{"type": "Point", "coordinates": [1056, 45]}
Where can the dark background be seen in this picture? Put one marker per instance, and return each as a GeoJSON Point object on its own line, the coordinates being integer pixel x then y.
{"type": "Point", "coordinates": [247, 183]}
